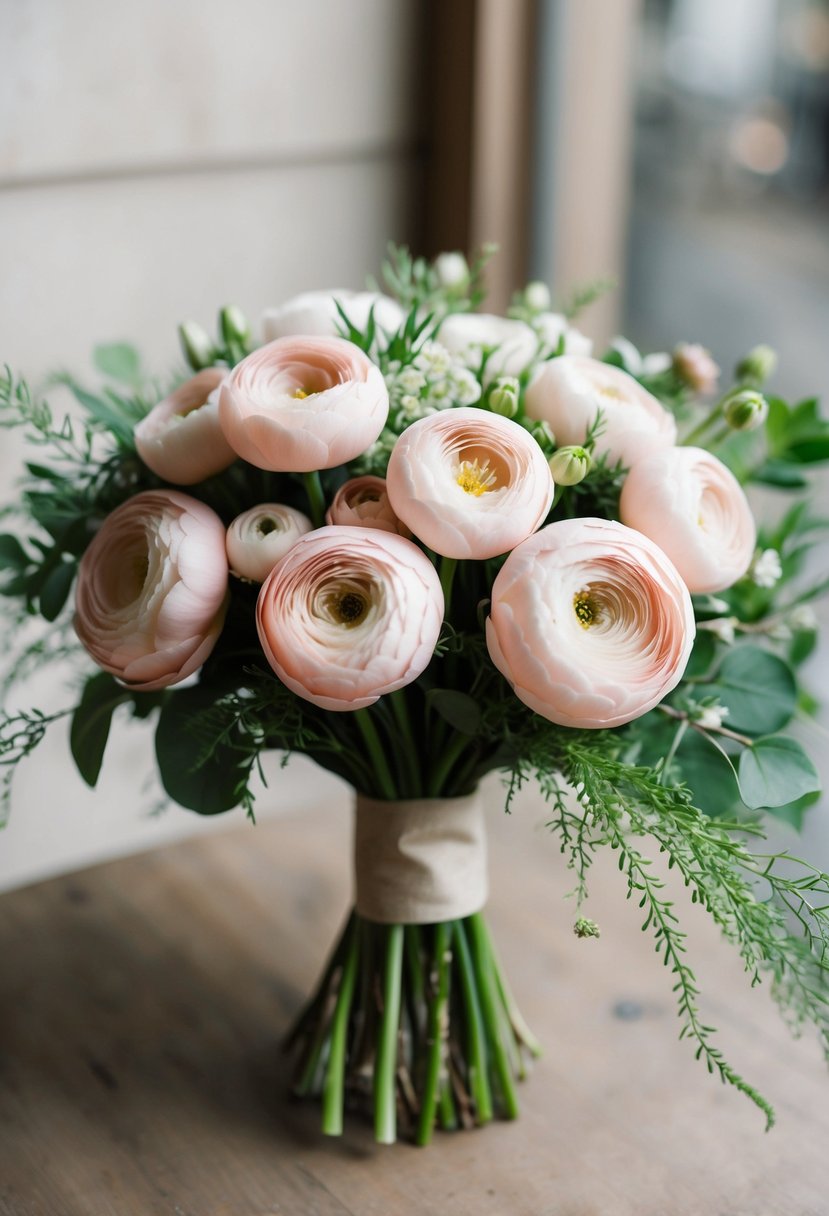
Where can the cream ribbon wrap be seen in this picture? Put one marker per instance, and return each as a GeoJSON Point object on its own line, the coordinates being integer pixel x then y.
{"type": "Point", "coordinates": [420, 861]}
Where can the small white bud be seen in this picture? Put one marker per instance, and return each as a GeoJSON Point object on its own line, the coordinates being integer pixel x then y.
{"type": "Point", "coordinates": [569, 466]}
{"type": "Point", "coordinates": [725, 628]}
{"type": "Point", "coordinates": [537, 296]}
{"type": "Point", "coordinates": [452, 271]}
{"type": "Point", "coordinates": [503, 397]}
{"type": "Point", "coordinates": [746, 410]}
{"type": "Point", "coordinates": [711, 717]}
{"type": "Point", "coordinates": [196, 345]}
{"type": "Point", "coordinates": [803, 618]}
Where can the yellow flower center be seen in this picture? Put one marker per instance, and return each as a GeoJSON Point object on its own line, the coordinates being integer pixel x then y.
{"type": "Point", "coordinates": [586, 609]}
{"type": "Point", "coordinates": [300, 394]}
{"type": "Point", "coordinates": [476, 478]}
{"type": "Point", "coordinates": [610, 390]}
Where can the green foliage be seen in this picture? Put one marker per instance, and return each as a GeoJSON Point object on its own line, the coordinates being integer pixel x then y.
{"type": "Point", "coordinates": [774, 772]}
{"type": "Point", "coordinates": [91, 722]}
{"type": "Point", "coordinates": [758, 689]}
{"type": "Point", "coordinates": [119, 361]}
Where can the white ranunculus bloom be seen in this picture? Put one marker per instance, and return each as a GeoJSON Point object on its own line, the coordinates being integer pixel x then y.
{"type": "Point", "coordinates": [314, 313]}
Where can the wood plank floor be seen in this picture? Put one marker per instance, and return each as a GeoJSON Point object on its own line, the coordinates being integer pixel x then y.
{"type": "Point", "coordinates": [142, 1003]}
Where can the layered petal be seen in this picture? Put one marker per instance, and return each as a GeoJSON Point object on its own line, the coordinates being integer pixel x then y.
{"type": "Point", "coordinates": [590, 623]}
{"type": "Point", "coordinates": [151, 592]}
{"type": "Point", "coordinates": [469, 484]}
{"type": "Point", "coordinates": [303, 404]}
{"type": "Point", "coordinates": [571, 391]}
{"type": "Point", "coordinates": [693, 507]}
{"type": "Point", "coordinates": [181, 439]}
{"type": "Point", "coordinates": [259, 538]}
{"type": "Point", "coordinates": [349, 615]}
{"type": "Point", "coordinates": [364, 503]}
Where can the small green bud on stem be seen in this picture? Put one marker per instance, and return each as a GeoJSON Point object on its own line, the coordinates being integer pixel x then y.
{"type": "Point", "coordinates": [757, 366]}
{"type": "Point", "coordinates": [196, 345]}
{"type": "Point", "coordinates": [570, 465]}
{"type": "Point", "coordinates": [503, 397]}
{"type": "Point", "coordinates": [745, 410]}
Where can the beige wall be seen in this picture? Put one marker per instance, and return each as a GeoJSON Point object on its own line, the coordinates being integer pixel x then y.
{"type": "Point", "coordinates": [156, 161]}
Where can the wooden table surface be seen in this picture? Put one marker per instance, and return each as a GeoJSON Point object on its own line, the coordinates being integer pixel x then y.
{"type": "Point", "coordinates": [140, 1073]}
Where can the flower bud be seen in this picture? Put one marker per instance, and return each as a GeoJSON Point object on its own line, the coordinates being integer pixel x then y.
{"type": "Point", "coordinates": [537, 296]}
{"type": "Point", "coordinates": [503, 397]}
{"type": "Point", "coordinates": [745, 410]}
{"type": "Point", "coordinates": [452, 272]}
{"type": "Point", "coordinates": [196, 345]}
{"type": "Point", "coordinates": [569, 466]}
{"type": "Point", "coordinates": [695, 367]}
{"type": "Point", "coordinates": [757, 366]}
{"type": "Point", "coordinates": [543, 435]}
{"type": "Point", "coordinates": [235, 330]}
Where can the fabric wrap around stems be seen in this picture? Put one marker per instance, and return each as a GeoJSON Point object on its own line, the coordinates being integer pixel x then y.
{"type": "Point", "coordinates": [420, 861]}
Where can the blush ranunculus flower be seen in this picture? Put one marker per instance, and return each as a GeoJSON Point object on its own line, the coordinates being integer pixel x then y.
{"type": "Point", "coordinates": [316, 313]}
{"type": "Point", "coordinates": [259, 538]}
{"type": "Point", "coordinates": [468, 483]}
{"type": "Point", "coordinates": [302, 404]}
{"type": "Point", "coordinates": [590, 623]}
{"type": "Point", "coordinates": [152, 589]}
{"type": "Point", "coordinates": [364, 503]}
{"type": "Point", "coordinates": [349, 615]}
{"type": "Point", "coordinates": [570, 391]}
{"type": "Point", "coordinates": [693, 507]}
{"type": "Point", "coordinates": [181, 439]}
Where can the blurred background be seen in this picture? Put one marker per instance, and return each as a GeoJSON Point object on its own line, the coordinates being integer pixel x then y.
{"type": "Point", "coordinates": [158, 160]}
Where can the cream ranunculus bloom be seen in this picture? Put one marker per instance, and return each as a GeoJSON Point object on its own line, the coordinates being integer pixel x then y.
{"type": "Point", "coordinates": [349, 615]}
{"type": "Point", "coordinates": [570, 391]}
{"type": "Point", "coordinates": [316, 313]}
{"type": "Point", "coordinates": [469, 484]}
{"type": "Point", "coordinates": [590, 623]}
{"type": "Point", "coordinates": [694, 508]}
{"type": "Point", "coordinates": [151, 593]}
{"type": "Point", "coordinates": [302, 404]}
{"type": "Point", "coordinates": [364, 503]}
{"type": "Point", "coordinates": [514, 344]}
{"type": "Point", "coordinates": [259, 538]}
{"type": "Point", "coordinates": [181, 439]}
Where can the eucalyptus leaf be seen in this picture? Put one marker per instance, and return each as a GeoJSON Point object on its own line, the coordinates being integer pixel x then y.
{"type": "Point", "coordinates": [708, 775]}
{"type": "Point", "coordinates": [91, 722]}
{"type": "Point", "coordinates": [758, 689]}
{"type": "Point", "coordinates": [775, 771]}
{"type": "Point", "coordinates": [12, 554]}
{"type": "Point", "coordinates": [794, 813]}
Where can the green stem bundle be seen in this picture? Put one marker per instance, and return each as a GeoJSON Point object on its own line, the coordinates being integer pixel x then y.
{"type": "Point", "coordinates": [423, 1013]}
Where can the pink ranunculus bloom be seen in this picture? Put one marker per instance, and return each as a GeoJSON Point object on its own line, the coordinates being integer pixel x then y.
{"type": "Point", "coordinates": [468, 483]}
{"type": "Point", "coordinates": [152, 589]}
{"type": "Point", "coordinates": [349, 615]}
{"type": "Point", "coordinates": [259, 538]}
{"type": "Point", "coordinates": [694, 508]}
{"type": "Point", "coordinates": [181, 439]}
{"type": "Point", "coordinates": [316, 313]}
{"type": "Point", "coordinates": [364, 503]}
{"type": "Point", "coordinates": [590, 623]}
{"type": "Point", "coordinates": [569, 393]}
{"type": "Point", "coordinates": [302, 404]}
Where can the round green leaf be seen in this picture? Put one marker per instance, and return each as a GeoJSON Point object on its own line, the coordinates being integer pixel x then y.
{"type": "Point", "coordinates": [774, 772]}
{"type": "Point", "coordinates": [758, 689]}
{"type": "Point", "coordinates": [203, 780]}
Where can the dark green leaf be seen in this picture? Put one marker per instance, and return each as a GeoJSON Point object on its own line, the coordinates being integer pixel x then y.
{"type": "Point", "coordinates": [802, 645]}
{"type": "Point", "coordinates": [12, 554]}
{"type": "Point", "coordinates": [708, 775]}
{"type": "Point", "coordinates": [461, 711]}
{"type": "Point", "coordinates": [811, 451]}
{"type": "Point", "coordinates": [774, 772]}
{"type": "Point", "coordinates": [758, 688]}
{"type": "Point", "coordinates": [55, 590]}
{"type": "Point", "coordinates": [780, 474]}
{"type": "Point", "coordinates": [91, 722]}
{"type": "Point", "coordinates": [206, 784]}
{"type": "Point", "coordinates": [119, 361]}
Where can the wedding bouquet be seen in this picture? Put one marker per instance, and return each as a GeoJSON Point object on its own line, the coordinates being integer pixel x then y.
{"type": "Point", "coordinates": [419, 543]}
